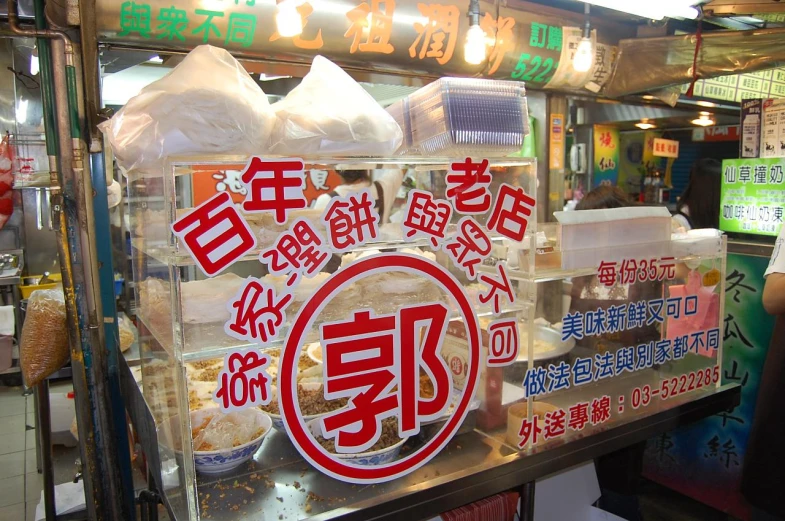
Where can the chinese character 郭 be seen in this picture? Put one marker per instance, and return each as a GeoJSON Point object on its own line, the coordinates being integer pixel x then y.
{"type": "Point", "coordinates": [467, 186]}
{"type": "Point", "coordinates": [375, 361]}
{"type": "Point", "coordinates": [512, 206]}
{"type": "Point", "coordinates": [426, 217]}
{"type": "Point", "coordinates": [215, 234]}
{"type": "Point", "coordinates": [351, 221]}
{"type": "Point", "coordinates": [274, 186]}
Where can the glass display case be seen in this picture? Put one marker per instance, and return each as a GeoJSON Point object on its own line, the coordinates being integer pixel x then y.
{"type": "Point", "coordinates": [404, 344]}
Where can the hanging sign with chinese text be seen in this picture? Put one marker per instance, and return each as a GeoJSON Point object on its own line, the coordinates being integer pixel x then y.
{"type": "Point", "coordinates": [666, 148]}
{"type": "Point", "coordinates": [395, 36]}
{"type": "Point", "coordinates": [606, 155]}
{"type": "Point", "coordinates": [372, 358]}
{"type": "Point", "coordinates": [752, 196]}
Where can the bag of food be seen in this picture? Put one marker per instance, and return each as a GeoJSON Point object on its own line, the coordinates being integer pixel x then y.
{"type": "Point", "coordinates": [43, 348]}
{"type": "Point", "coordinates": [127, 332]}
{"type": "Point", "coordinates": [208, 104]}
{"type": "Point", "coordinates": [330, 113]}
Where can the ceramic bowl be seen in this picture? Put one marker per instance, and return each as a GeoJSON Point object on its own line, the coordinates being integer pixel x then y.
{"type": "Point", "coordinates": [216, 461]}
{"type": "Point", "coordinates": [376, 457]}
{"type": "Point", "coordinates": [276, 418]}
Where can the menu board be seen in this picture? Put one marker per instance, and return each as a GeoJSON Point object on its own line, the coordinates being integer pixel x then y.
{"type": "Point", "coordinates": [752, 196]}
{"type": "Point", "coordinates": [762, 84]}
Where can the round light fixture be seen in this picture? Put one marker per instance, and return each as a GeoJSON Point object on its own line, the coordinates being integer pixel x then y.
{"type": "Point", "coordinates": [705, 120]}
{"type": "Point", "coordinates": [644, 124]}
{"type": "Point", "coordinates": [288, 20]}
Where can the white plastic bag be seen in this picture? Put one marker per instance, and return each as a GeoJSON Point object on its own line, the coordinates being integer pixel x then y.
{"type": "Point", "coordinates": [330, 113]}
{"type": "Point", "coordinates": [207, 104]}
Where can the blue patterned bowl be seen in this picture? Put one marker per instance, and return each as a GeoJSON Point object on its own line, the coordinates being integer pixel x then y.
{"type": "Point", "coordinates": [215, 461]}
{"type": "Point", "coordinates": [376, 457]}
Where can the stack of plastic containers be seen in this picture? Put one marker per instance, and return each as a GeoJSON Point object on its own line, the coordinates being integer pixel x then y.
{"type": "Point", "coordinates": [463, 116]}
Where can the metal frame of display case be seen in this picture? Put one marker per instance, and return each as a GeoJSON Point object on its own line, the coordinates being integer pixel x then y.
{"type": "Point", "coordinates": [517, 471]}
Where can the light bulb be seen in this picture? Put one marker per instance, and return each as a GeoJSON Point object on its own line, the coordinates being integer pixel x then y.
{"type": "Point", "coordinates": [21, 111]}
{"type": "Point", "coordinates": [584, 56]}
{"type": "Point", "coordinates": [644, 125]}
{"type": "Point", "coordinates": [33, 65]}
{"type": "Point", "coordinates": [474, 48]}
{"type": "Point", "coordinates": [288, 20]}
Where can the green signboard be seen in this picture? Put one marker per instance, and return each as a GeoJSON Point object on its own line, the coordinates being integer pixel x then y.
{"type": "Point", "coordinates": [753, 196]}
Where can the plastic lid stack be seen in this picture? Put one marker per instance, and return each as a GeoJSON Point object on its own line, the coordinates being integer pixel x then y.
{"type": "Point", "coordinates": [463, 116]}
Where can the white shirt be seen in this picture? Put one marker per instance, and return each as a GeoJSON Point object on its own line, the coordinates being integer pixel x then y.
{"type": "Point", "coordinates": [777, 262]}
{"type": "Point", "coordinates": [391, 181]}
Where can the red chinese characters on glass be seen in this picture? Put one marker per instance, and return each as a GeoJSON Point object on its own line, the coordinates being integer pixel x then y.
{"type": "Point", "coordinates": [469, 247]}
{"type": "Point", "coordinates": [351, 221]}
{"type": "Point", "coordinates": [274, 186]}
{"type": "Point", "coordinates": [503, 344]}
{"type": "Point", "coordinates": [257, 313]}
{"type": "Point", "coordinates": [498, 288]}
{"type": "Point", "coordinates": [300, 251]}
{"type": "Point", "coordinates": [467, 187]}
{"type": "Point", "coordinates": [215, 234]}
{"type": "Point", "coordinates": [426, 217]}
{"type": "Point", "coordinates": [243, 382]}
{"type": "Point", "coordinates": [375, 361]}
{"type": "Point", "coordinates": [607, 274]}
{"type": "Point", "coordinates": [530, 431]}
{"type": "Point", "coordinates": [511, 212]}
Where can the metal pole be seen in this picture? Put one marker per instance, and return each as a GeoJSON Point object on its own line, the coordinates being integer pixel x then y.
{"type": "Point", "coordinates": [45, 442]}
{"type": "Point", "coordinates": [72, 214]}
{"type": "Point", "coordinates": [527, 501]}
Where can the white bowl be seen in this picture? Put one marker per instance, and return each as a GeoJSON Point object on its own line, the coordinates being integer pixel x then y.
{"type": "Point", "coordinates": [375, 457]}
{"type": "Point", "coordinates": [215, 461]}
{"type": "Point", "coordinates": [313, 348]}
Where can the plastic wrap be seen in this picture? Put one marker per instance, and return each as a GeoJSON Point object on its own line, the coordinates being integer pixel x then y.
{"type": "Point", "coordinates": [668, 60]}
{"type": "Point", "coordinates": [225, 431]}
{"type": "Point", "coordinates": [208, 104]}
{"type": "Point", "coordinates": [44, 344]}
{"type": "Point", "coordinates": [330, 113]}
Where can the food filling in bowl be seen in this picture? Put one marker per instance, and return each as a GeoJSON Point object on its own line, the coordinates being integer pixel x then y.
{"type": "Point", "coordinates": [312, 402]}
{"type": "Point", "coordinates": [388, 438]}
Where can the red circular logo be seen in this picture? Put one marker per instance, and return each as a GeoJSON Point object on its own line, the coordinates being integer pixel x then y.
{"type": "Point", "coordinates": [287, 382]}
